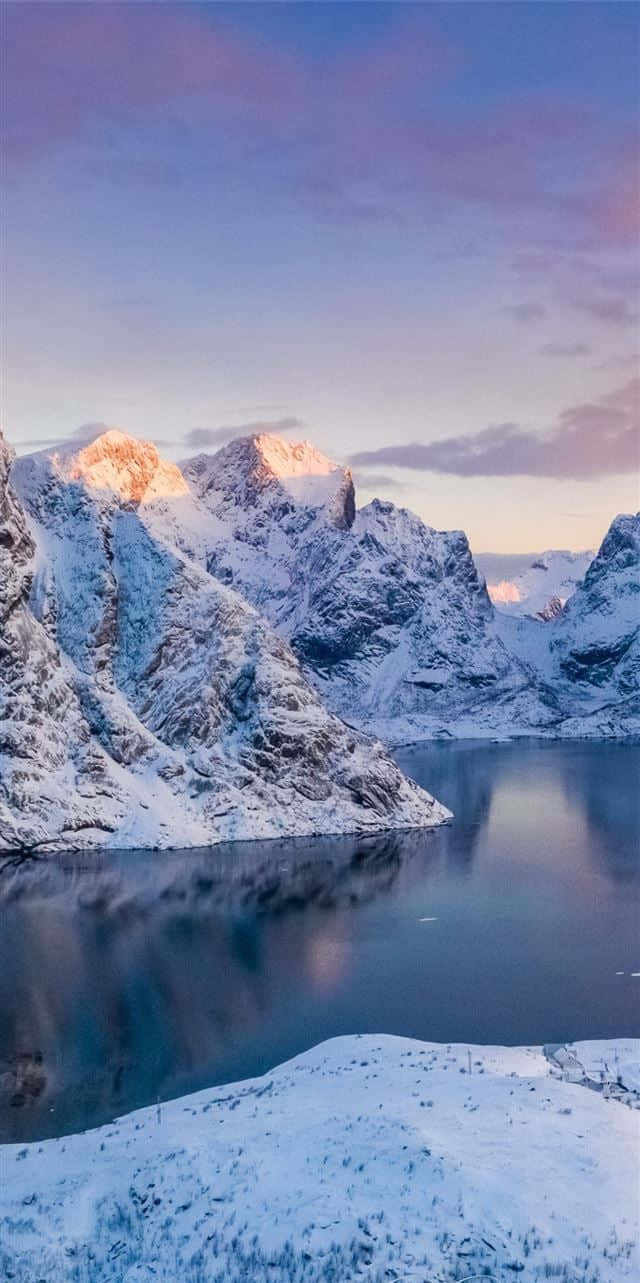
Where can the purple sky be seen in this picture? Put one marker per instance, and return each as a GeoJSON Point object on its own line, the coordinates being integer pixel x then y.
{"type": "Point", "coordinates": [407, 232]}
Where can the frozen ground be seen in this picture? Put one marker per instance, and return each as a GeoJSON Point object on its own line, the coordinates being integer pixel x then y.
{"type": "Point", "coordinates": [373, 1158]}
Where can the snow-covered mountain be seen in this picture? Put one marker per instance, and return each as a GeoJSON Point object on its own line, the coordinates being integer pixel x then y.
{"type": "Point", "coordinates": [543, 587]}
{"type": "Point", "coordinates": [389, 617]}
{"type": "Point", "coordinates": [596, 640]}
{"type": "Point", "coordinates": [145, 575]}
{"type": "Point", "coordinates": [143, 703]}
{"type": "Point", "coordinates": [587, 652]}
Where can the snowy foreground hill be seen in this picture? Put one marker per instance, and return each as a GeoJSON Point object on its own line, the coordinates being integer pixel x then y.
{"type": "Point", "coordinates": [369, 1157]}
{"type": "Point", "coordinates": [391, 620]}
{"type": "Point", "coordinates": [142, 702]}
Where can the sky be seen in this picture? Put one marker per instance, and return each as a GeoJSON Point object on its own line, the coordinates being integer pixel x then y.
{"type": "Point", "coordinates": [408, 233]}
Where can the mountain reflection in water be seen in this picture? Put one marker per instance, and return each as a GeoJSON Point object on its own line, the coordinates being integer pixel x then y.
{"type": "Point", "coordinates": [132, 976]}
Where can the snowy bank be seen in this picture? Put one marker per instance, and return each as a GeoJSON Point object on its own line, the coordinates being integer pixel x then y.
{"type": "Point", "coordinates": [368, 1157]}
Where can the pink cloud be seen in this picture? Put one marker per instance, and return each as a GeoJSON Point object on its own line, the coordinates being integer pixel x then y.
{"type": "Point", "coordinates": [593, 439]}
{"type": "Point", "coordinates": [615, 210]}
{"type": "Point", "coordinates": [612, 308]}
{"type": "Point", "coordinates": [70, 67]}
{"type": "Point", "coordinates": [392, 64]}
{"type": "Point", "coordinates": [359, 137]}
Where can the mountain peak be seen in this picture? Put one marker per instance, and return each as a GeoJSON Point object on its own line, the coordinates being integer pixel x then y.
{"type": "Point", "coordinates": [292, 458]}
{"type": "Point", "coordinates": [309, 476]}
{"type": "Point", "coordinates": [250, 468]}
{"type": "Point", "coordinates": [131, 468]}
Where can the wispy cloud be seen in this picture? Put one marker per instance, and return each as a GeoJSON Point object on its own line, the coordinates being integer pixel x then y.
{"type": "Point", "coordinates": [378, 481]}
{"type": "Point", "coordinates": [125, 303]}
{"type": "Point", "coordinates": [525, 313]}
{"type": "Point", "coordinates": [614, 309]}
{"type": "Point", "coordinates": [593, 439]}
{"type": "Point", "coordinates": [624, 361]}
{"type": "Point", "coordinates": [564, 349]}
{"type": "Point", "coordinates": [202, 438]}
{"type": "Point", "coordinates": [79, 436]}
{"type": "Point", "coordinates": [608, 295]}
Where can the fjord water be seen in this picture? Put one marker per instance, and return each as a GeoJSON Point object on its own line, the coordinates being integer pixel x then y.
{"type": "Point", "coordinates": [133, 977]}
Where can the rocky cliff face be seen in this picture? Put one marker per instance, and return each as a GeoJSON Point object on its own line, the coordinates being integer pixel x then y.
{"type": "Point", "coordinates": [53, 777]}
{"type": "Point", "coordinates": [398, 629]}
{"type": "Point", "coordinates": [596, 641]}
{"type": "Point", "coordinates": [154, 703]}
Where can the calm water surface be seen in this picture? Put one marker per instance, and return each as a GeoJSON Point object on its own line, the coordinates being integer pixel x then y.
{"type": "Point", "coordinates": [134, 977]}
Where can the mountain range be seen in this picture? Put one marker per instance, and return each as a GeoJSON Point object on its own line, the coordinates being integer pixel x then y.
{"type": "Point", "coordinates": [144, 703]}
{"type": "Point", "coordinates": [198, 652]}
{"type": "Point", "coordinates": [391, 619]}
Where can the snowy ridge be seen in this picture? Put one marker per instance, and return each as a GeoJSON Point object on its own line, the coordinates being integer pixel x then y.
{"type": "Point", "coordinates": [176, 716]}
{"type": "Point", "coordinates": [369, 1155]}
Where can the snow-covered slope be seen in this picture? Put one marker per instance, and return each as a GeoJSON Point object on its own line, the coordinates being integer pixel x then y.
{"type": "Point", "coordinates": [544, 586]}
{"type": "Point", "coordinates": [144, 702]}
{"type": "Point", "coordinates": [54, 776]}
{"type": "Point", "coordinates": [372, 1156]}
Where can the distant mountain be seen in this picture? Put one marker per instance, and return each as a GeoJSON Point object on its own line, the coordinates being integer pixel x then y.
{"type": "Point", "coordinates": [588, 653]}
{"type": "Point", "coordinates": [542, 586]}
{"type": "Point", "coordinates": [142, 702]}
